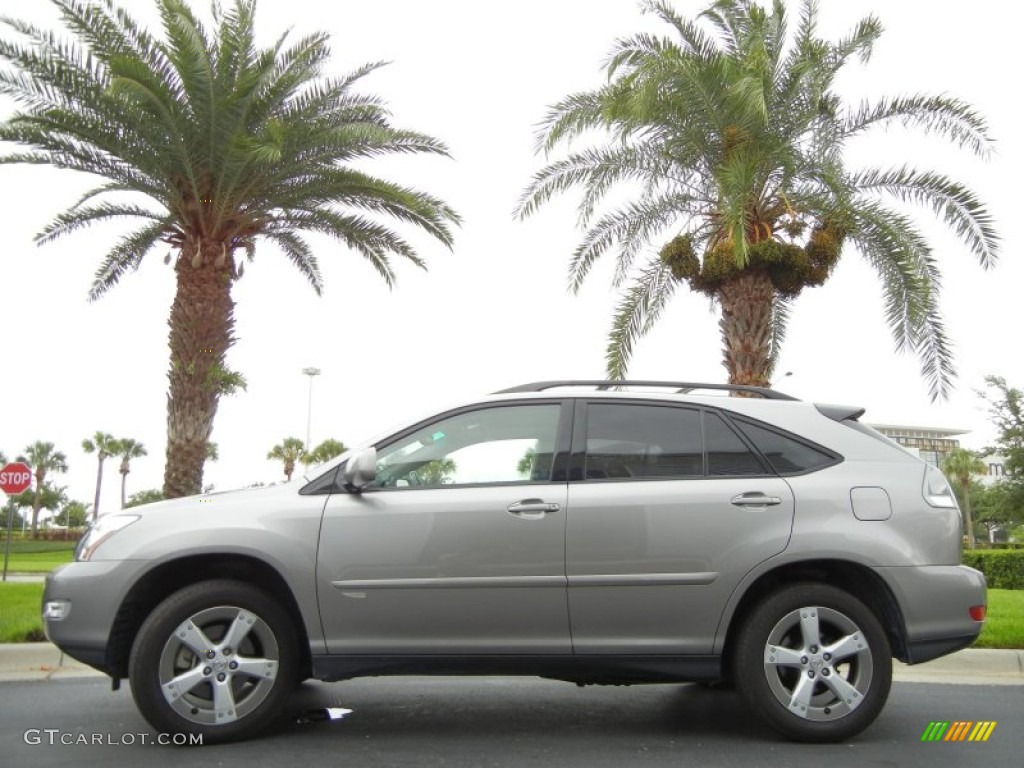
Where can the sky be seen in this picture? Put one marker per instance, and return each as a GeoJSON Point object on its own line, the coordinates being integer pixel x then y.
{"type": "Point", "coordinates": [495, 310]}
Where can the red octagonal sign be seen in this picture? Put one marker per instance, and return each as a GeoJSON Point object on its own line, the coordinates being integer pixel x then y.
{"type": "Point", "coordinates": [15, 477]}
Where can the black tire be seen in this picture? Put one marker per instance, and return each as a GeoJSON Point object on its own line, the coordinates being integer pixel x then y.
{"type": "Point", "coordinates": [814, 662]}
{"type": "Point", "coordinates": [222, 693]}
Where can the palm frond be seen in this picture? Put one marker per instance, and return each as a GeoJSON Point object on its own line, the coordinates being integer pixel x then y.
{"type": "Point", "coordinates": [781, 312]}
{"type": "Point", "coordinates": [300, 254]}
{"type": "Point", "coordinates": [958, 206]}
{"type": "Point", "coordinates": [947, 117]}
{"type": "Point", "coordinates": [78, 217]}
{"type": "Point", "coordinates": [126, 255]}
{"type": "Point", "coordinates": [631, 227]}
{"type": "Point", "coordinates": [910, 285]}
{"type": "Point", "coordinates": [636, 313]}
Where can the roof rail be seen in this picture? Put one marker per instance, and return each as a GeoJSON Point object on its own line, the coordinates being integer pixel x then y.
{"type": "Point", "coordinates": [681, 387]}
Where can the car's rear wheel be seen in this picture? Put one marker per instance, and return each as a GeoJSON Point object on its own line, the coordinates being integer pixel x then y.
{"type": "Point", "coordinates": [814, 662]}
{"type": "Point", "coordinates": [215, 659]}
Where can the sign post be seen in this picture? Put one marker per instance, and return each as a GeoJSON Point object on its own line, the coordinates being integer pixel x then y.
{"type": "Point", "coordinates": [15, 478]}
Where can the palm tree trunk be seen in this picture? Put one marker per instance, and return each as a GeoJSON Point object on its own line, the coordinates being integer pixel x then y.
{"type": "Point", "coordinates": [746, 326]}
{"type": "Point", "coordinates": [124, 482]}
{"type": "Point", "coordinates": [969, 516]}
{"type": "Point", "coordinates": [37, 500]}
{"type": "Point", "coordinates": [37, 504]}
{"type": "Point", "coordinates": [99, 482]}
{"type": "Point", "coordinates": [202, 321]}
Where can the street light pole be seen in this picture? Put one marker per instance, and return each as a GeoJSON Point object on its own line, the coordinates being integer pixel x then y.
{"type": "Point", "coordinates": [311, 372]}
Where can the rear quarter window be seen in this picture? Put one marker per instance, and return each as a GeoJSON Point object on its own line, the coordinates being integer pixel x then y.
{"type": "Point", "coordinates": [787, 454]}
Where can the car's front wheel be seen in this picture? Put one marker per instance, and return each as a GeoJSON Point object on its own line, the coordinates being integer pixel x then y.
{"type": "Point", "coordinates": [215, 659]}
{"type": "Point", "coordinates": [814, 662]}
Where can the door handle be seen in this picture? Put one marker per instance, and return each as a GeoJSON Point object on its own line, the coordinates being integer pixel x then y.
{"type": "Point", "coordinates": [532, 509]}
{"type": "Point", "coordinates": [755, 499]}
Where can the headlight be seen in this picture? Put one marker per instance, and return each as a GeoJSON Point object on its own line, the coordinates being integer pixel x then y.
{"type": "Point", "coordinates": [102, 530]}
{"type": "Point", "coordinates": [936, 489]}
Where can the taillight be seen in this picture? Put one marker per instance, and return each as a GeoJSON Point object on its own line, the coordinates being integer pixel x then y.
{"type": "Point", "coordinates": [977, 612]}
{"type": "Point", "coordinates": [936, 490]}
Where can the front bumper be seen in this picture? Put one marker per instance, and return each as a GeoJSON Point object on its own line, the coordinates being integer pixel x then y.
{"type": "Point", "coordinates": [93, 591]}
{"type": "Point", "coordinates": [935, 601]}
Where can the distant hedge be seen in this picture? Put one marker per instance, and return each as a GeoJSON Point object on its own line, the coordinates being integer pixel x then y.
{"type": "Point", "coordinates": [1003, 568]}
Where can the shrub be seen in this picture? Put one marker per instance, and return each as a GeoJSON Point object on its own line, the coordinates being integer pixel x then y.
{"type": "Point", "coordinates": [1003, 568]}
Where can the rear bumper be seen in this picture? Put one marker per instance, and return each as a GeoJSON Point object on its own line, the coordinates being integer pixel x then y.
{"type": "Point", "coordinates": [935, 601]}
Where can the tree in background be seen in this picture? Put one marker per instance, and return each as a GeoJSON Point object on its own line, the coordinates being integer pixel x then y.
{"type": "Point", "coordinates": [960, 465]}
{"type": "Point", "coordinates": [436, 472]}
{"type": "Point", "coordinates": [326, 451]}
{"type": "Point", "coordinates": [44, 460]}
{"type": "Point", "coordinates": [218, 144]}
{"type": "Point", "coordinates": [733, 136]}
{"type": "Point", "coordinates": [289, 451]}
{"type": "Point", "coordinates": [144, 497]}
{"type": "Point", "coordinates": [995, 508]}
{"type": "Point", "coordinates": [46, 497]}
{"type": "Point", "coordinates": [128, 449]}
{"type": "Point", "coordinates": [104, 446]}
{"type": "Point", "coordinates": [1006, 408]}
{"type": "Point", "coordinates": [73, 514]}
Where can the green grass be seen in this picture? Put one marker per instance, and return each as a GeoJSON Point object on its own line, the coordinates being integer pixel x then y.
{"type": "Point", "coordinates": [1004, 626]}
{"type": "Point", "coordinates": [21, 545]}
{"type": "Point", "coordinates": [37, 562]}
{"type": "Point", "coordinates": [20, 621]}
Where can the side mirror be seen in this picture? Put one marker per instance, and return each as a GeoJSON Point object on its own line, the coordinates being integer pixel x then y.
{"type": "Point", "coordinates": [360, 470]}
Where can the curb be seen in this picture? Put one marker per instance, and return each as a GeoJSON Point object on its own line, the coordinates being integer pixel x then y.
{"type": "Point", "coordinates": [973, 666]}
{"type": "Point", "coordinates": [39, 661]}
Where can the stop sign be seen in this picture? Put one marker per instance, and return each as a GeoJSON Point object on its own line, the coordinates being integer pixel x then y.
{"type": "Point", "coordinates": [15, 477]}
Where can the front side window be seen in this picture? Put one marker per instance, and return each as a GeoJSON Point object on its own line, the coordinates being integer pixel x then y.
{"type": "Point", "coordinates": [642, 441]}
{"type": "Point", "coordinates": [505, 444]}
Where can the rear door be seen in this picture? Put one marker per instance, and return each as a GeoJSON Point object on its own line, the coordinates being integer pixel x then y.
{"type": "Point", "coordinates": [668, 508]}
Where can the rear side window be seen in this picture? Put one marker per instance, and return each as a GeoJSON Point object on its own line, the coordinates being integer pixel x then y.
{"type": "Point", "coordinates": [633, 441]}
{"type": "Point", "coordinates": [787, 455]}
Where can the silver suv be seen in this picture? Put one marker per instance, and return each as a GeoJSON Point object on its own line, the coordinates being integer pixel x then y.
{"type": "Point", "coordinates": [594, 532]}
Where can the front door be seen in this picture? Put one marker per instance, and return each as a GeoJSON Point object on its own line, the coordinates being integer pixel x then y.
{"type": "Point", "coordinates": [458, 547]}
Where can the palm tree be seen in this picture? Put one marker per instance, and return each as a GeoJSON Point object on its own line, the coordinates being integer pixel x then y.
{"type": "Point", "coordinates": [959, 465]}
{"type": "Point", "coordinates": [104, 446]}
{"type": "Point", "coordinates": [222, 143]}
{"type": "Point", "coordinates": [734, 138]}
{"type": "Point", "coordinates": [290, 450]}
{"type": "Point", "coordinates": [128, 449]}
{"type": "Point", "coordinates": [43, 459]}
{"type": "Point", "coordinates": [46, 497]}
{"type": "Point", "coordinates": [144, 497]}
{"type": "Point", "coordinates": [326, 451]}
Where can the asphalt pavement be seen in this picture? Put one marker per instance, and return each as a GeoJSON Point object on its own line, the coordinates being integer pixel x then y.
{"type": "Point", "coordinates": [502, 722]}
